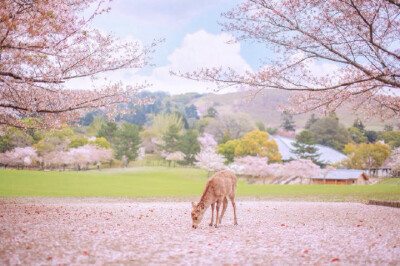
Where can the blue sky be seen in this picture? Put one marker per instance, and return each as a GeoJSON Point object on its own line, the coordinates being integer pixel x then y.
{"type": "Point", "coordinates": [193, 39]}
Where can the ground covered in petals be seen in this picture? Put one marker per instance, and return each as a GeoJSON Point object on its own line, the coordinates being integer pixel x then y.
{"type": "Point", "coordinates": [100, 231]}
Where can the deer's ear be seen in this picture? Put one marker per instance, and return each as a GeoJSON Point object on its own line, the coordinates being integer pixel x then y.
{"type": "Point", "coordinates": [193, 205]}
{"type": "Point", "coordinates": [202, 205]}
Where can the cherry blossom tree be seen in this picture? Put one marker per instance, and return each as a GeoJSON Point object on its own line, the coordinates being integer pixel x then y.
{"type": "Point", "coordinates": [276, 169]}
{"type": "Point", "coordinates": [329, 51]}
{"type": "Point", "coordinates": [207, 141]}
{"type": "Point", "coordinates": [88, 154]}
{"type": "Point", "coordinates": [209, 160]}
{"type": "Point", "coordinates": [43, 45]}
{"type": "Point", "coordinates": [19, 157]}
{"type": "Point", "coordinates": [55, 159]}
{"type": "Point", "coordinates": [177, 156]}
{"type": "Point", "coordinates": [252, 166]}
{"type": "Point", "coordinates": [393, 161]}
{"type": "Point", "coordinates": [301, 168]}
{"type": "Point", "coordinates": [80, 157]}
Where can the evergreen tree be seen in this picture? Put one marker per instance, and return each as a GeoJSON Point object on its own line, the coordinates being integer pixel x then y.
{"type": "Point", "coordinates": [287, 121]}
{"type": "Point", "coordinates": [359, 124]}
{"type": "Point", "coordinates": [6, 143]}
{"type": "Point", "coordinates": [127, 142]}
{"type": "Point", "coordinates": [371, 135]}
{"type": "Point", "coordinates": [190, 146]}
{"type": "Point", "coordinates": [357, 135]}
{"type": "Point", "coordinates": [171, 139]}
{"type": "Point", "coordinates": [108, 131]}
{"type": "Point", "coordinates": [191, 112]}
{"type": "Point", "coordinates": [211, 112]}
{"type": "Point", "coordinates": [304, 147]}
{"type": "Point", "coordinates": [310, 121]}
{"type": "Point", "coordinates": [329, 132]}
{"type": "Point", "coordinates": [183, 119]}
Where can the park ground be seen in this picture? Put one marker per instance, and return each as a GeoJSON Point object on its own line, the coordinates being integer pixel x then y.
{"type": "Point", "coordinates": [81, 231]}
{"type": "Point", "coordinates": [142, 216]}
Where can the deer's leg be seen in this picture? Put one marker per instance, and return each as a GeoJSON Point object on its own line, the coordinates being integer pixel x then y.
{"type": "Point", "coordinates": [232, 198]}
{"type": "Point", "coordinates": [218, 205]}
{"type": "Point", "coordinates": [212, 214]}
{"type": "Point", "coordinates": [224, 206]}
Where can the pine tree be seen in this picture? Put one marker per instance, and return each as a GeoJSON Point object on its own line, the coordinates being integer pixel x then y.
{"type": "Point", "coordinates": [211, 112]}
{"type": "Point", "coordinates": [287, 121]}
{"type": "Point", "coordinates": [191, 112]}
{"type": "Point", "coordinates": [310, 121]}
{"type": "Point", "coordinates": [171, 139]}
{"type": "Point", "coordinates": [108, 131]}
{"type": "Point", "coordinates": [127, 142]}
{"type": "Point", "coordinates": [304, 147]}
{"type": "Point", "coordinates": [190, 146]}
{"type": "Point", "coordinates": [359, 124]}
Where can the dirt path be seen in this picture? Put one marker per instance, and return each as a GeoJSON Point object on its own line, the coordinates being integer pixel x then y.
{"type": "Point", "coordinates": [95, 231]}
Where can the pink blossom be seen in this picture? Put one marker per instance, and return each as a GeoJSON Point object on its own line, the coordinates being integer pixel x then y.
{"type": "Point", "coordinates": [210, 160]}
{"type": "Point", "coordinates": [207, 141]}
{"type": "Point", "coordinates": [251, 166]}
{"type": "Point", "coordinates": [302, 168]}
{"type": "Point", "coordinates": [19, 156]}
{"type": "Point", "coordinates": [45, 44]}
{"type": "Point", "coordinates": [175, 156]}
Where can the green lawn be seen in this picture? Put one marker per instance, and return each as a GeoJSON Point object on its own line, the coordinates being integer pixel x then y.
{"type": "Point", "coordinates": [173, 182]}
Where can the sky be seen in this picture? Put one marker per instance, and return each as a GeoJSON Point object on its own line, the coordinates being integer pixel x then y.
{"type": "Point", "coordinates": [192, 37]}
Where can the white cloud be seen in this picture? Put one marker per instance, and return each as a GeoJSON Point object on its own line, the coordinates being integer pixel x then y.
{"type": "Point", "coordinates": [198, 50]}
{"type": "Point", "coordinates": [202, 49]}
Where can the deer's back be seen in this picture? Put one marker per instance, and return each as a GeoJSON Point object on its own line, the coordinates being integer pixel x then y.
{"type": "Point", "coordinates": [222, 183]}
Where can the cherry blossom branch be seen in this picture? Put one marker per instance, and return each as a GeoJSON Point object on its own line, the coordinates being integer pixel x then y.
{"type": "Point", "coordinates": [358, 39]}
{"type": "Point", "coordinates": [45, 43]}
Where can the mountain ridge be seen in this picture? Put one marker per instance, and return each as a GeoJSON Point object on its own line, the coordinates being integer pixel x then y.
{"type": "Point", "coordinates": [264, 107]}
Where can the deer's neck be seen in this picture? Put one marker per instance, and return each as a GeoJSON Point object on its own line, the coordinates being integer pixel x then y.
{"type": "Point", "coordinates": [206, 199]}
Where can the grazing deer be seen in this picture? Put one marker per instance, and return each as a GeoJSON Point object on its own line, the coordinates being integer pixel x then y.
{"type": "Point", "coordinates": [220, 186]}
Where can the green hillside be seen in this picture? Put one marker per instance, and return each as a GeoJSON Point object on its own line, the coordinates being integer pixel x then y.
{"type": "Point", "coordinates": [265, 107]}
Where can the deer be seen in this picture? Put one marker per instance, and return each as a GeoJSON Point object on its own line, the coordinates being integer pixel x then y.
{"type": "Point", "coordinates": [218, 188]}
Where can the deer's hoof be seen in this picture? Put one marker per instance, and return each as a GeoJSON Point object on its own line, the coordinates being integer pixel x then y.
{"type": "Point", "coordinates": [210, 224]}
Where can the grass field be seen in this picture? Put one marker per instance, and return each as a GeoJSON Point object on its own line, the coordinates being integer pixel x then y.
{"type": "Point", "coordinates": [145, 182]}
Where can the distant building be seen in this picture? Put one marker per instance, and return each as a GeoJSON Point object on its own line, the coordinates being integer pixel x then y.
{"type": "Point", "coordinates": [342, 177]}
{"type": "Point", "coordinates": [328, 155]}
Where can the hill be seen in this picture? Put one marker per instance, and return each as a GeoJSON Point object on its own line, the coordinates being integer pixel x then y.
{"type": "Point", "coordinates": [266, 108]}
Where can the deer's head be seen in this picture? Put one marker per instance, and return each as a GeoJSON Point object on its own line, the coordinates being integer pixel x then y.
{"type": "Point", "coordinates": [197, 214]}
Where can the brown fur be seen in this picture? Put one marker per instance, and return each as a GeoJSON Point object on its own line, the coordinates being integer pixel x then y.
{"type": "Point", "coordinates": [220, 186]}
